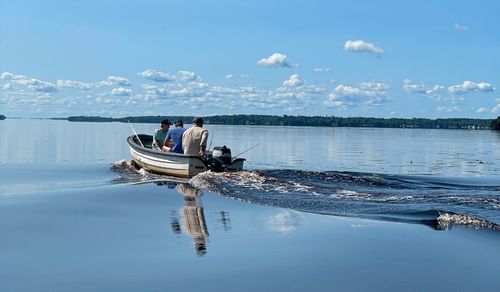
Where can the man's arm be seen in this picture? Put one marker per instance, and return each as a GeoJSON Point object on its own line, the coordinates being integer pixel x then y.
{"type": "Point", "coordinates": [168, 139]}
{"type": "Point", "coordinates": [203, 143]}
{"type": "Point", "coordinates": [184, 141]}
{"type": "Point", "coordinates": [156, 141]}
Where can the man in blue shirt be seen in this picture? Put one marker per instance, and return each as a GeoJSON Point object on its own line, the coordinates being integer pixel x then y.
{"type": "Point", "coordinates": [174, 137]}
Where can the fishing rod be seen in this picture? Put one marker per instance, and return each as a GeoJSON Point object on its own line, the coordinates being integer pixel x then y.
{"type": "Point", "coordinates": [213, 134]}
{"type": "Point", "coordinates": [248, 149]}
{"type": "Point", "coordinates": [137, 136]}
{"type": "Point", "coordinates": [240, 154]}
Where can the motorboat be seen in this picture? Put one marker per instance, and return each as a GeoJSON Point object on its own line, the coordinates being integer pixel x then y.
{"type": "Point", "coordinates": [169, 163]}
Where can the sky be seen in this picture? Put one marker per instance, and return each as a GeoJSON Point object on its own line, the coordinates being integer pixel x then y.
{"type": "Point", "coordinates": [432, 59]}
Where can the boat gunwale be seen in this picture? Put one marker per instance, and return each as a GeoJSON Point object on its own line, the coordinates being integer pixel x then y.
{"type": "Point", "coordinates": [139, 148]}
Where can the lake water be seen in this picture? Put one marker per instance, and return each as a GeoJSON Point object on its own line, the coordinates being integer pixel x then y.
{"type": "Point", "coordinates": [400, 174]}
{"type": "Point", "coordinates": [452, 153]}
{"type": "Point", "coordinates": [74, 215]}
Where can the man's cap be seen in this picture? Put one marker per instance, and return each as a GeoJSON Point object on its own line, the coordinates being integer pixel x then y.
{"type": "Point", "coordinates": [197, 120]}
{"type": "Point", "coordinates": [166, 121]}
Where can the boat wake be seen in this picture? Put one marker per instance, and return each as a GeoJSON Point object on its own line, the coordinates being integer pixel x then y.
{"type": "Point", "coordinates": [437, 202]}
{"type": "Point", "coordinates": [128, 173]}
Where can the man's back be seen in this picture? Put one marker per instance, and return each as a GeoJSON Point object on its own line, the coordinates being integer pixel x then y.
{"type": "Point", "coordinates": [193, 139]}
{"type": "Point", "coordinates": [175, 135]}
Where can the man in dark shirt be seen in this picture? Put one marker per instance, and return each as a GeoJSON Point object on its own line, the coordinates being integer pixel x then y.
{"type": "Point", "coordinates": [174, 137]}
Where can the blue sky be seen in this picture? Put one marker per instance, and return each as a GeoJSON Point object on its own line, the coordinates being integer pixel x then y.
{"type": "Point", "coordinates": [344, 58]}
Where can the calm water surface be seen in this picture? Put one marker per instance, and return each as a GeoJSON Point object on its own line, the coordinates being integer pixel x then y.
{"type": "Point", "coordinates": [75, 216]}
{"type": "Point", "coordinates": [410, 175]}
{"type": "Point", "coordinates": [453, 153]}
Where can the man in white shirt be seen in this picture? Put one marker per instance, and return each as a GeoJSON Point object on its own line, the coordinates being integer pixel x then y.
{"type": "Point", "coordinates": [194, 139]}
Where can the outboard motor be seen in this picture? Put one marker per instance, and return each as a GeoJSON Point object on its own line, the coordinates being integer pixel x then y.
{"type": "Point", "coordinates": [221, 158]}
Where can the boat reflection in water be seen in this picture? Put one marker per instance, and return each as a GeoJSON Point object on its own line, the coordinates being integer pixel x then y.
{"type": "Point", "coordinates": [193, 217]}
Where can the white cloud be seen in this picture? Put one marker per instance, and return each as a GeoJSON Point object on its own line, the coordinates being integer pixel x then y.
{"type": "Point", "coordinates": [360, 46]}
{"type": "Point", "coordinates": [6, 76]}
{"type": "Point", "coordinates": [351, 91]}
{"type": "Point", "coordinates": [192, 89]}
{"type": "Point", "coordinates": [373, 86]}
{"type": "Point", "coordinates": [292, 95]}
{"type": "Point", "coordinates": [470, 86]}
{"type": "Point", "coordinates": [73, 84]}
{"type": "Point", "coordinates": [333, 101]}
{"type": "Point", "coordinates": [11, 76]}
{"type": "Point", "coordinates": [275, 60]}
{"type": "Point", "coordinates": [229, 76]}
{"type": "Point", "coordinates": [293, 81]}
{"type": "Point", "coordinates": [496, 109]}
{"type": "Point", "coordinates": [322, 70]}
{"type": "Point", "coordinates": [40, 86]}
{"type": "Point", "coordinates": [187, 75]}
{"type": "Point", "coordinates": [120, 91]}
{"type": "Point", "coordinates": [198, 85]}
{"type": "Point", "coordinates": [290, 99]}
{"type": "Point", "coordinates": [482, 110]}
{"type": "Point", "coordinates": [103, 83]}
{"type": "Point", "coordinates": [461, 27]}
{"type": "Point", "coordinates": [448, 109]}
{"type": "Point", "coordinates": [32, 83]}
{"type": "Point", "coordinates": [414, 88]}
{"type": "Point", "coordinates": [121, 81]}
{"type": "Point", "coordinates": [153, 91]}
{"type": "Point", "coordinates": [436, 89]}
{"type": "Point", "coordinates": [367, 93]}
{"type": "Point", "coordinates": [420, 88]}
{"type": "Point", "coordinates": [156, 76]}
{"type": "Point", "coordinates": [346, 90]}
{"type": "Point", "coordinates": [105, 101]}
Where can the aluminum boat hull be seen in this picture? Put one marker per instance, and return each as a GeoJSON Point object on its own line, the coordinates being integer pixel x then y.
{"type": "Point", "coordinates": [169, 163]}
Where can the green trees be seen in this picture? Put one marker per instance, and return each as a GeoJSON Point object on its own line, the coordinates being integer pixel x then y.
{"type": "Point", "coordinates": [495, 124]}
{"type": "Point", "coordinates": [89, 119]}
{"type": "Point", "coordinates": [2, 117]}
{"type": "Point", "coordinates": [323, 121]}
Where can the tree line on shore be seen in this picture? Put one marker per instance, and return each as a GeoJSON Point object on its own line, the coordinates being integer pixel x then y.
{"type": "Point", "coordinates": [2, 117]}
{"type": "Point", "coordinates": [495, 124]}
{"type": "Point", "coordinates": [324, 121]}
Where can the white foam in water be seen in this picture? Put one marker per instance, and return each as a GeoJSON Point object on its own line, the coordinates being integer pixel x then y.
{"type": "Point", "coordinates": [208, 180]}
{"type": "Point", "coordinates": [123, 165]}
{"type": "Point", "coordinates": [129, 173]}
{"type": "Point", "coordinates": [348, 192]}
{"type": "Point", "coordinates": [261, 187]}
{"type": "Point", "coordinates": [447, 220]}
{"type": "Point", "coordinates": [361, 196]}
{"type": "Point", "coordinates": [248, 180]}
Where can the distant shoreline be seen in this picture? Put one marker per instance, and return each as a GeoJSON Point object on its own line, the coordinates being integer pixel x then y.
{"type": "Point", "coordinates": [312, 121]}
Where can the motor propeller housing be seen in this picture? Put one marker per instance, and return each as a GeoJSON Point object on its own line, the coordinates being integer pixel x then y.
{"type": "Point", "coordinates": [220, 158]}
